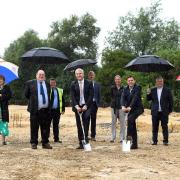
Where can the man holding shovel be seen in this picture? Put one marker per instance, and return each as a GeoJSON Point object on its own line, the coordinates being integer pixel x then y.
{"type": "Point", "coordinates": [131, 103]}
{"type": "Point", "coordinates": [82, 99]}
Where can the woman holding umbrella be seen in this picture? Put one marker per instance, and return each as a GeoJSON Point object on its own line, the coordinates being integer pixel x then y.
{"type": "Point", "coordinates": [5, 95]}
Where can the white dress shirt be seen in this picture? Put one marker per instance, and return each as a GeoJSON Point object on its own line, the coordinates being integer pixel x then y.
{"type": "Point", "coordinates": [55, 102]}
{"type": "Point", "coordinates": [40, 98]}
{"type": "Point", "coordinates": [81, 100]}
{"type": "Point", "coordinates": [159, 92]}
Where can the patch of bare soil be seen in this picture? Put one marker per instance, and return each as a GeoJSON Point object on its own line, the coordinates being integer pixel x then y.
{"type": "Point", "coordinates": [106, 161]}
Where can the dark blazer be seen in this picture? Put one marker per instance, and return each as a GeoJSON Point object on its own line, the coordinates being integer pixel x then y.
{"type": "Point", "coordinates": [97, 93]}
{"type": "Point", "coordinates": [132, 99]}
{"type": "Point", "coordinates": [116, 97]}
{"type": "Point", "coordinates": [31, 93]}
{"type": "Point", "coordinates": [6, 96]}
{"type": "Point", "coordinates": [88, 93]}
{"type": "Point", "coordinates": [166, 101]}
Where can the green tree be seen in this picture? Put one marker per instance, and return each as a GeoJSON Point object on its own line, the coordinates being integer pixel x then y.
{"type": "Point", "coordinates": [170, 78]}
{"type": "Point", "coordinates": [113, 62]}
{"type": "Point", "coordinates": [76, 37]}
{"type": "Point", "coordinates": [13, 54]}
{"type": "Point", "coordinates": [145, 32]}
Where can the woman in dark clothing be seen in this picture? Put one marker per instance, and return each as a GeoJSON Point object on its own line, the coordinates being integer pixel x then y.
{"type": "Point", "coordinates": [5, 95]}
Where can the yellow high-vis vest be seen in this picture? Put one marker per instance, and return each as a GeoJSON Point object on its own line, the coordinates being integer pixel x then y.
{"type": "Point", "coordinates": [60, 93]}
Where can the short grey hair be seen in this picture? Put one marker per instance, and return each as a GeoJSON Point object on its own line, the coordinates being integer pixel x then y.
{"type": "Point", "coordinates": [117, 76]}
{"type": "Point", "coordinates": [79, 69]}
{"type": "Point", "coordinates": [159, 78]}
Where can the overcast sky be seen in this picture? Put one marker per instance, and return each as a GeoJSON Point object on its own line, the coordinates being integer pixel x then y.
{"type": "Point", "coordinates": [17, 16]}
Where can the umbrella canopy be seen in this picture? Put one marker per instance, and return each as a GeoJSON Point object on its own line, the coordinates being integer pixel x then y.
{"type": "Point", "coordinates": [8, 70]}
{"type": "Point", "coordinates": [149, 63]}
{"type": "Point", "coordinates": [79, 64]}
{"type": "Point", "coordinates": [45, 55]}
{"type": "Point", "coordinates": [178, 78]}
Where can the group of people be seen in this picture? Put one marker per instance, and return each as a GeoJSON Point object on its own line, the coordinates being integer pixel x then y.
{"type": "Point", "coordinates": [46, 104]}
{"type": "Point", "coordinates": [126, 101]}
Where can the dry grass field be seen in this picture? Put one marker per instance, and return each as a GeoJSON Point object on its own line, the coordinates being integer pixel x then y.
{"type": "Point", "coordinates": [106, 161]}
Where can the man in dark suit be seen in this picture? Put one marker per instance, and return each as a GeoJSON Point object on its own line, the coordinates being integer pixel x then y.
{"type": "Point", "coordinates": [38, 94]}
{"type": "Point", "coordinates": [82, 98]}
{"type": "Point", "coordinates": [95, 104]}
{"type": "Point", "coordinates": [131, 103]}
{"type": "Point", "coordinates": [57, 107]}
{"type": "Point", "coordinates": [161, 107]}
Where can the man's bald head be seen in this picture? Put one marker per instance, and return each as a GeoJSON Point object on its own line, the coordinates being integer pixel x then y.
{"type": "Point", "coordinates": [40, 75]}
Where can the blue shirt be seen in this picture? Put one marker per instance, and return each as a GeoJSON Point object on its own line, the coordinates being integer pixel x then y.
{"type": "Point", "coordinates": [40, 98]}
{"type": "Point", "coordinates": [55, 102]}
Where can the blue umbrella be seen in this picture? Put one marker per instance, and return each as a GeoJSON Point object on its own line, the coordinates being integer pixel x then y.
{"type": "Point", "coordinates": [8, 70]}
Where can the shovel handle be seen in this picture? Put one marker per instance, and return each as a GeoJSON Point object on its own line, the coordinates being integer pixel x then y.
{"type": "Point", "coordinates": [80, 116]}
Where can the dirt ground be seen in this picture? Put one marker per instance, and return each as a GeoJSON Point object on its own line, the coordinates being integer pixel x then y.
{"type": "Point", "coordinates": [105, 161]}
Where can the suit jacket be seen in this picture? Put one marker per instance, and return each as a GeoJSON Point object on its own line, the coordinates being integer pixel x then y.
{"type": "Point", "coordinates": [75, 93]}
{"type": "Point", "coordinates": [6, 96]}
{"type": "Point", "coordinates": [116, 97]}
{"type": "Point", "coordinates": [132, 99]}
{"type": "Point", "coordinates": [31, 93]}
{"type": "Point", "coordinates": [97, 93]}
{"type": "Point", "coordinates": [166, 101]}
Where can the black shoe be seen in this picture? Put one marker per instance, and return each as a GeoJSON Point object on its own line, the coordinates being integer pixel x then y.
{"type": "Point", "coordinates": [165, 143]}
{"type": "Point", "coordinates": [154, 143]}
{"type": "Point", "coordinates": [46, 146]}
{"type": "Point", "coordinates": [134, 146]}
{"type": "Point", "coordinates": [57, 141]}
{"type": "Point", "coordinates": [112, 140]}
{"type": "Point", "coordinates": [4, 143]}
{"type": "Point", "coordinates": [80, 147]}
{"type": "Point", "coordinates": [93, 139]}
{"type": "Point", "coordinates": [33, 146]}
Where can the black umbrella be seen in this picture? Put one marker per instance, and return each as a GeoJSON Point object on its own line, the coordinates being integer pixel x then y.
{"type": "Point", "coordinates": [149, 63]}
{"type": "Point", "coordinates": [79, 64]}
{"type": "Point", "coordinates": [45, 55]}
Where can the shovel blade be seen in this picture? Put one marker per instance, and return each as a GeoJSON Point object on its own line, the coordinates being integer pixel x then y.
{"type": "Point", "coordinates": [126, 146]}
{"type": "Point", "coordinates": [87, 147]}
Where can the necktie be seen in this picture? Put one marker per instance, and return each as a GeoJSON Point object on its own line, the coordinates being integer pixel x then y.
{"type": "Point", "coordinates": [42, 93]}
{"type": "Point", "coordinates": [52, 96]}
{"type": "Point", "coordinates": [94, 99]}
{"type": "Point", "coordinates": [81, 92]}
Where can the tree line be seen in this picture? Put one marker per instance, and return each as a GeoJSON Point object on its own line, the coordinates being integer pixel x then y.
{"type": "Point", "coordinates": [144, 32]}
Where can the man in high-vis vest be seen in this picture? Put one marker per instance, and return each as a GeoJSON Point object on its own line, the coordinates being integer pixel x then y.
{"type": "Point", "coordinates": [57, 107]}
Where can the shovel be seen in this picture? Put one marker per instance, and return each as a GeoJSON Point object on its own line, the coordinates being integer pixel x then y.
{"type": "Point", "coordinates": [86, 146]}
{"type": "Point", "coordinates": [126, 144]}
